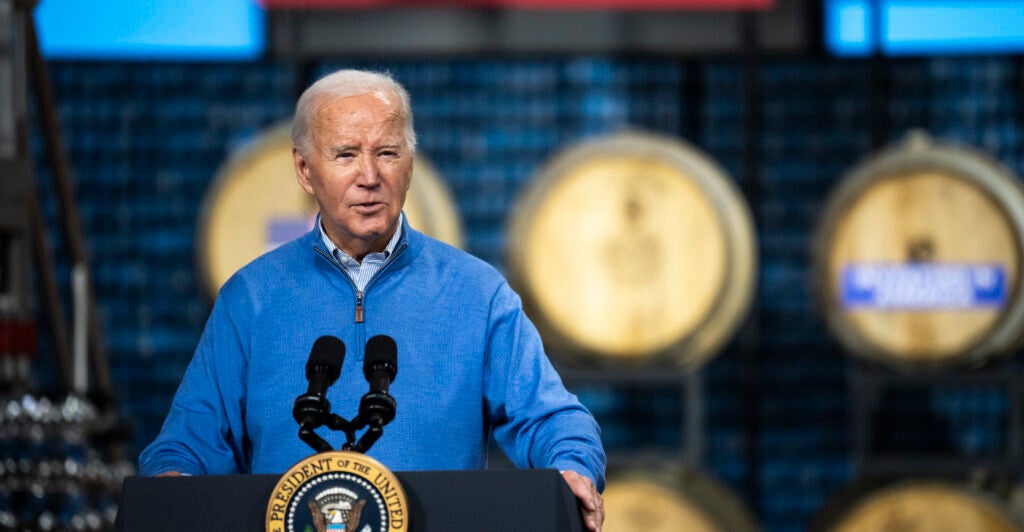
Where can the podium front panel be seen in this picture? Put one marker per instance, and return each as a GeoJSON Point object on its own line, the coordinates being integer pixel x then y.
{"type": "Point", "coordinates": [439, 501]}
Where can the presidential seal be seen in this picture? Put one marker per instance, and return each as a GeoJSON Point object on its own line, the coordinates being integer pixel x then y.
{"type": "Point", "coordinates": [337, 491]}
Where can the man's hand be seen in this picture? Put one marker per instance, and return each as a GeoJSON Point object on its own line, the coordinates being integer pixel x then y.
{"type": "Point", "coordinates": [591, 503]}
{"type": "Point", "coordinates": [169, 474]}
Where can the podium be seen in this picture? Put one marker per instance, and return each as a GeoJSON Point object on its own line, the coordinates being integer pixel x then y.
{"type": "Point", "coordinates": [501, 500]}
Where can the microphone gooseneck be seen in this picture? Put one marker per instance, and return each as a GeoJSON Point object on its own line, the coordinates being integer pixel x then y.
{"type": "Point", "coordinates": [376, 408]}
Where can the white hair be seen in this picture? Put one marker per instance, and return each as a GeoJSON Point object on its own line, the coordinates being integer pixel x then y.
{"type": "Point", "coordinates": [342, 84]}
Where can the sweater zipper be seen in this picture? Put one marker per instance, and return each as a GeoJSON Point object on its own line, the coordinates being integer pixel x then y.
{"type": "Point", "coordinates": [360, 313]}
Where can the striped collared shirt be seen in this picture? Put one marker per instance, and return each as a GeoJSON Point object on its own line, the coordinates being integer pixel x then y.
{"type": "Point", "coordinates": [372, 262]}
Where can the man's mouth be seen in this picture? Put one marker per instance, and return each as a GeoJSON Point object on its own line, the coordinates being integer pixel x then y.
{"type": "Point", "coordinates": [368, 206]}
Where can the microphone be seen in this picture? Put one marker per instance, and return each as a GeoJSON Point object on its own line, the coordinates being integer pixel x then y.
{"type": "Point", "coordinates": [381, 362]}
{"type": "Point", "coordinates": [323, 368]}
{"type": "Point", "coordinates": [379, 367]}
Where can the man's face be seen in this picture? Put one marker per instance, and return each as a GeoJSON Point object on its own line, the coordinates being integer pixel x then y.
{"type": "Point", "coordinates": [359, 168]}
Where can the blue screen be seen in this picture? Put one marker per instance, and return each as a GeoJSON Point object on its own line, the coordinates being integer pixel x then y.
{"type": "Point", "coordinates": [168, 29]}
{"type": "Point", "coordinates": [913, 27]}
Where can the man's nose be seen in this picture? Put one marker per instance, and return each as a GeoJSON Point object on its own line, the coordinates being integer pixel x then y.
{"type": "Point", "coordinates": [369, 172]}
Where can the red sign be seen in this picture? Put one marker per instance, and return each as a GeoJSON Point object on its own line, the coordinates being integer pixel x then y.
{"type": "Point", "coordinates": [524, 4]}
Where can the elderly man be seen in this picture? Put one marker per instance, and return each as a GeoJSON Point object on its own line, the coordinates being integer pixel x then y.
{"type": "Point", "coordinates": [473, 366]}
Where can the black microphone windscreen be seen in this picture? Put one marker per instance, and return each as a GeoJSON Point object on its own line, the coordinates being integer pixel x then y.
{"type": "Point", "coordinates": [381, 355]}
{"type": "Point", "coordinates": [328, 353]}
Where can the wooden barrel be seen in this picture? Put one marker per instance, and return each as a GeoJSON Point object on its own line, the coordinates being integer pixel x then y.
{"type": "Point", "coordinates": [911, 505]}
{"type": "Point", "coordinates": [633, 248]}
{"type": "Point", "coordinates": [648, 500]}
{"type": "Point", "coordinates": [256, 205]}
{"type": "Point", "coordinates": [917, 257]}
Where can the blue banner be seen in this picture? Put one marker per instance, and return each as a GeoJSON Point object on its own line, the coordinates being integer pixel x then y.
{"type": "Point", "coordinates": [148, 29]}
{"type": "Point", "coordinates": [922, 286]}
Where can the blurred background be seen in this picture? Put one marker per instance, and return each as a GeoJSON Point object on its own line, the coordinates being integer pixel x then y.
{"type": "Point", "coordinates": [823, 330]}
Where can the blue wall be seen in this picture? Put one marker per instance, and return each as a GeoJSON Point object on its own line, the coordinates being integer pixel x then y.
{"type": "Point", "coordinates": [146, 139]}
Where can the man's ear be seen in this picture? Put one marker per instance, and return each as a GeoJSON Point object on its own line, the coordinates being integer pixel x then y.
{"type": "Point", "coordinates": [301, 170]}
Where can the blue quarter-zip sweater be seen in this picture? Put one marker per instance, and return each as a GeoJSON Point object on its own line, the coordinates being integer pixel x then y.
{"type": "Point", "coordinates": [470, 365]}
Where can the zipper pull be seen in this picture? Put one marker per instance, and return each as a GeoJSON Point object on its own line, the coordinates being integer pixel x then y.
{"type": "Point", "coordinates": [359, 306]}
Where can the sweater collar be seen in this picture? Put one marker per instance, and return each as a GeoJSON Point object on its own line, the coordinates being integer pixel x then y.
{"type": "Point", "coordinates": [410, 242]}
